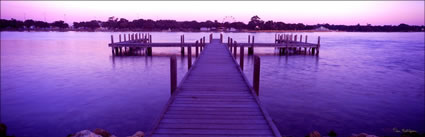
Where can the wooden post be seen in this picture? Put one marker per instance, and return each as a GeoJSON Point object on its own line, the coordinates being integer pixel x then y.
{"type": "Point", "coordinates": [203, 38]}
{"type": "Point", "coordinates": [234, 49]}
{"type": "Point", "coordinates": [120, 38]}
{"type": "Point", "coordinates": [256, 79]}
{"type": "Point", "coordinates": [149, 49]}
{"type": "Point", "coordinates": [201, 44]}
{"type": "Point", "coordinates": [241, 55]}
{"type": "Point", "coordinates": [211, 37]}
{"type": "Point", "coordinates": [301, 38]}
{"type": "Point", "coordinates": [251, 49]}
{"type": "Point", "coordinates": [231, 45]}
{"type": "Point", "coordinates": [196, 48]}
{"type": "Point", "coordinates": [112, 41]}
{"type": "Point", "coordinates": [173, 73]}
{"type": "Point", "coordinates": [125, 37]}
{"type": "Point", "coordinates": [182, 42]}
{"type": "Point", "coordinates": [295, 38]}
{"type": "Point", "coordinates": [129, 39]}
{"type": "Point", "coordinates": [318, 45]}
{"type": "Point", "coordinates": [228, 42]}
{"type": "Point", "coordinates": [305, 38]}
{"type": "Point", "coordinates": [221, 38]}
{"type": "Point", "coordinates": [189, 57]}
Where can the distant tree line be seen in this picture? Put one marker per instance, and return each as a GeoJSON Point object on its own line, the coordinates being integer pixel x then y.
{"type": "Point", "coordinates": [122, 24]}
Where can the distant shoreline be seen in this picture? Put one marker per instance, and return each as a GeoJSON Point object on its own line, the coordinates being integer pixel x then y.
{"type": "Point", "coordinates": [240, 31]}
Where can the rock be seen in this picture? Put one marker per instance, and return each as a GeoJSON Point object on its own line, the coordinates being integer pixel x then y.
{"type": "Point", "coordinates": [314, 134]}
{"type": "Point", "coordinates": [3, 130]}
{"type": "Point", "coordinates": [84, 133]}
{"type": "Point", "coordinates": [102, 132]}
{"type": "Point", "coordinates": [138, 134]}
{"type": "Point", "coordinates": [362, 135]}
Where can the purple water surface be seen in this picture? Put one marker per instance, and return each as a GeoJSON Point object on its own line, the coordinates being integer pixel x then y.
{"type": "Point", "coordinates": [57, 83]}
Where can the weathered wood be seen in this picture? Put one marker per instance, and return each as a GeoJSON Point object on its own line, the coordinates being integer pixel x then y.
{"type": "Point", "coordinates": [256, 77]}
{"type": "Point", "coordinates": [214, 99]}
{"type": "Point", "coordinates": [241, 57]}
{"type": "Point", "coordinates": [196, 49]}
{"type": "Point", "coordinates": [181, 43]}
{"type": "Point", "coordinates": [173, 73]}
{"type": "Point", "coordinates": [221, 38]}
{"type": "Point", "coordinates": [112, 38]}
{"type": "Point", "coordinates": [189, 57]}
{"type": "Point", "coordinates": [305, 38]}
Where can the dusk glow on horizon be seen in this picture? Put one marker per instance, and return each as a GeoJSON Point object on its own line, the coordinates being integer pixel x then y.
{"type": "Point", "coordinates": [307, 12]}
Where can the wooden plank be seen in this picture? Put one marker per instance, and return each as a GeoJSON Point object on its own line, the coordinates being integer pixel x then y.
{"type": "Point", "coordinates": [199, 135]}
{"type": "Point", "coordinates": [176, 116]}
{"type": "Point", "coordinates": [215, 132]}
{"type": "Point", "coordinates": [253, 113]}
{"type": "Point", "coordinates": [216, 109]}
{"type": "Point", "coordinates": [214, 99]}
{"type": "Point", "coordinates": [213, 126]}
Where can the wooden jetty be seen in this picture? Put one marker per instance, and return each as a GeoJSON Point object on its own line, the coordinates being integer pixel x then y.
{"type": "Point", "coordinates": [285, 43]}
{"type": "Point", "coordinates": [213, 99]}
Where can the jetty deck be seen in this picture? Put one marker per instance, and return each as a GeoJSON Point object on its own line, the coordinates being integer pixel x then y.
{"type": "Point", "coordinates": [214, 99]}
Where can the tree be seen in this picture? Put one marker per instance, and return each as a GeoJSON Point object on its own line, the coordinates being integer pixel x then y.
{"type": "Point", "coordinates": [29, 23]}
{"type": "Point", "coordinates": [256, 23]}
{"type": "Point", "coordinates": [60, 24]}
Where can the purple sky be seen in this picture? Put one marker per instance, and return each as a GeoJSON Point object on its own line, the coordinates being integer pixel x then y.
{"type": "Point", "coordinates": [307, 12]}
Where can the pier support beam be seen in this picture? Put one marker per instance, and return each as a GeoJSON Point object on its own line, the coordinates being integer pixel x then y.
{"type": "Point", "coordinates": [149, 49]}
{"type": "Point", "coordinates": [221, 38]}
{"type": "Point", "coordinates": [189, 57]}
{"type": "Point", "coordinates": [318, 45]}
{"type": "Point", "coordinates": [251, 49]}
{"type": "Point", "coordinates": [173, 73]}
{"type": "Point", "coordinates": [241, 55]}
{"type": "Point", "coordinates": [256, 78]}
{"type": "Point", "coordinates": [196, 49]}
{"type": "Point", "coordinates": [234, 49]}
{"type": "Point", "coordinates": [182, 42]}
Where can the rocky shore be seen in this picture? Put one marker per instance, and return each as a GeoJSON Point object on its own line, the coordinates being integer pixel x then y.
{"type": "Point", "coordinates": [98, 132]}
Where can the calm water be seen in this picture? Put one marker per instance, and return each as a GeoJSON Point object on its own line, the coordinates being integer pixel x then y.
{"type": "Point", "coordinates": [57, 83]}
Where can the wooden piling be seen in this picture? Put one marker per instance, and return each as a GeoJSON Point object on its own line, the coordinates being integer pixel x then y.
{"type": "Point", "coordinates": [196, 49]}
{"type": "Point", "coordinates": [251, 49]}
{"type": "Point", "coordinates": [211, 37]}
{"type": "Point", "coordinates": [241, 55]}
{"type": "Point", "coordinates": [318, 45]}
{"type": "Point", "coordinates": [112, 41]}
{"type": "Point", "coordinates": [256, 79]}
{"type": "Point", "coordinates": [221, 38]}
{"type": "Point", "coordinates": [125, 37]}
{"type": "Point", "coordinates": [182, 42]}
{"type": "Point", "coordinates": [173, 73]}
{"type": "Point", "coordinates": [112, 38]}
{"type": "Point", "coordinates": [305, 38]}
{"type": "Point", "coordinates": [228, 42]}
{"type": "Point", "coordinates": [234, 49]}
{"type": "Point", "coordinates": [120, 38]}
{"type": "Point", "coordinates": [301, 38]}
{"type": "Point", "coordinates": [189, 57]}
{"type": "Point", "coordinates": [149, 49]}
